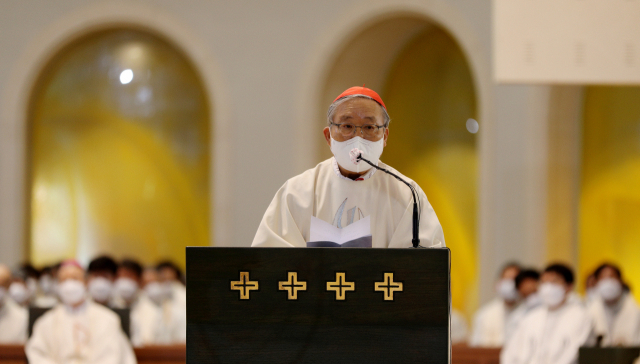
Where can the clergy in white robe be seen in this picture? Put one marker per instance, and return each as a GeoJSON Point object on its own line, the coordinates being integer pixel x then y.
{"type": "Point", "coordinates": [346, 202]}
{"type": "Point", "coordinates": [489, 323]}
{"type": "Point", "coordinates": [145, 325]}
{"type": "Point", "coordinates": [553, 332]}
{"type": "Point", "coordinates": [173, 317]}
{"type": "Point", "coordinates": [614, 311]}
{"type": "Point", "coordinates": [13, 318]}
{"type": "Point", "coordinates": [527, 286]}
{"type": "Point", "coordinates": [459, 331]}
{"type": "Point", "coordinates": [78, 330]}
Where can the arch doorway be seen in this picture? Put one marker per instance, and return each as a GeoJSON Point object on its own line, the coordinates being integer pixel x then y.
{"type": "Point", "coordinates": [425, 80]}
{"type": "Point", "coordinates": [119, 151]}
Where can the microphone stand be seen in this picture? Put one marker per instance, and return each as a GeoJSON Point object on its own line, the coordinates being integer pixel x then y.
{"type": "Point", "coordinates": [416, 212]}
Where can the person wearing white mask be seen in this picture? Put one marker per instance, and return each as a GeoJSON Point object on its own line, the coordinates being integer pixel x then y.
{"type": "Point", "coordinates": [171, 278]}
{"type": "Point", "coordinates": [46, 296]}
{"type": "Point", "coordinates": [527, 286]}
{"type": "Point", "coordinates": [145, 315]}
{"type": "Point", "coordinates": [489, 323]}
{"type": "Point", "coordinates": [615, 313]}
{"type": "Point", "coordinates": [173, 317]}
{"type": "Point", "coordinates": [344, 192]}
{"type": "Point", "coordinates": [554, 331]}
{"type": "Point", "coordinates": [101, 273]}
{"type": "Point", "coordinates": [78, 330]}
{"type": "Point", "coordinates": [19, 292]}
{"type": "Point", "coordinates": [13, 318]}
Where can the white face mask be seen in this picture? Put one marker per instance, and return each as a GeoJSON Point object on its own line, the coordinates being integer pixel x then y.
{"type": "Point", "coordinates": [609, 289]}
{"type": "Point", "coordinates": [591, 294]}
{"type": "Point", "coordinates": [533, 300]}
{"type": "Point", "coordinates": [19, 293]}
{"type": "Point", "coordinates": [551, 294]}
{"type": "Point", "coordinates": [46, 284]}
{"type": "Point", "coordinates": [507, 290]}
{"type": "Point", "coordinates": [126, 288]}
{"type": "Point", "coordinates": [347, 160]}
{"type": "Point", "coordinates": [155, 292]}
{"type": "Point", "coordinates": [100, 289]}
{"type": "Point", "coordinates": [71, 292]}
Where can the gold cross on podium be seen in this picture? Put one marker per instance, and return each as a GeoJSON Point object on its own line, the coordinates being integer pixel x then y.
{"type": "Point", "coordinates": [292, 285]}
{"type": "Point", "coordinates": [341, 286]}
{"type": "Point", "coordinates": [388, 286]}
{"type": "Point", "coordinates": [244, 285]}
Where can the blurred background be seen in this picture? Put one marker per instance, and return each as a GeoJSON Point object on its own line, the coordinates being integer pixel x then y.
{"type": "Point", "coordinates": [138, 128]}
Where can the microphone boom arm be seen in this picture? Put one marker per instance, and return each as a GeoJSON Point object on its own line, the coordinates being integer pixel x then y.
{"type": "Point", "coordinates": [416, 211]}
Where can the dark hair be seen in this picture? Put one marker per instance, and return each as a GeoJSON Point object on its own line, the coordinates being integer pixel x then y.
{"type": "Point", "coordinates": [526, 274]}
{"type": "Point", "coordinates": [510, 265]}
{"type": "Point", "coordinates": [599, 270]}
{"type": "Point", "coordinates": [133, 266]}
{"type": "Point", "coordinates": [29, 271]}
{"type": "Point", "coordinates": [103, 264]}
{"type": "Point", "coordinates": [169, 264]}
{"type": "Point", "coordinates": [563, 270]}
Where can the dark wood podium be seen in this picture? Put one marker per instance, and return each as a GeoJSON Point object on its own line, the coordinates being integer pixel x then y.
{"type": "Point", "coordinates": [317, 305]}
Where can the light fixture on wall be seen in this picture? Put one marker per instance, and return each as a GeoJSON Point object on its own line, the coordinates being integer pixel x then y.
{"type": "Point", "coordinates": [126, 76]}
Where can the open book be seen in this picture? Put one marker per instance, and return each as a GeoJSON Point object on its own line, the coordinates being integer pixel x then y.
{"type": "Point", "coordinates": [323, 234]}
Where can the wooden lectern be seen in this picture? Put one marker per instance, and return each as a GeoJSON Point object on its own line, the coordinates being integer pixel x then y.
{"type": "Point", "coordinates": [318, 305]}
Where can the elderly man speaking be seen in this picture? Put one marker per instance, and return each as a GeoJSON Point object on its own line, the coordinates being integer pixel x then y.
{"type": "Point", "coordinates": [343, 201]}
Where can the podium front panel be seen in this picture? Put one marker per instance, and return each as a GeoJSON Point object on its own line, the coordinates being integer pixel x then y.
{"type": "Point", "coordinates": [317, 305]}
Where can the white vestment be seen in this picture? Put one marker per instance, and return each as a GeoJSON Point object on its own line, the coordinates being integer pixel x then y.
{"type": "Point", "coordinates": [319, 192]}
{"type": "Point", "coordinates": [13, 322]}
{"type": "Point", "coordinates": [146, 322]}
{"type": "Point", "coordinates": [89, 334]}
{"type": "Point", "coordinates": [489, 324]}
{"type": "Point", "coordinates": [549, 337]}
{"type": "Point", "coordinates": [619, 326]}
{"type": "Point", "coordinates": [516, 317]}
{"type": "Point", "coordinates": [173, 322]}
{"type": "Point", "coordinates": [458, 328]}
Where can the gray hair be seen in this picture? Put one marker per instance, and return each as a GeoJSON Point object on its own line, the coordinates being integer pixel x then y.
{"type": "Point", "coordinates": [334, 106]}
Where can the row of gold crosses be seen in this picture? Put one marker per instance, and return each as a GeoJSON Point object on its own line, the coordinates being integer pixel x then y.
{"type": "Point", "coordinates": [293, 286]}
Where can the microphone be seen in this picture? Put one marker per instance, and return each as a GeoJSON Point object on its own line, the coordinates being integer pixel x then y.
{"type": "Point", "coordinates": [416, 211]}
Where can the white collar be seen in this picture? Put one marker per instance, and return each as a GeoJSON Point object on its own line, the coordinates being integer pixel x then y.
{"type": "Point", "coordinates": [336, 169]}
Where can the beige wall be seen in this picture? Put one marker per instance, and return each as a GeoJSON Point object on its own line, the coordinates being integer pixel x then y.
{"type": "Point", "coordinates": [264, 65]}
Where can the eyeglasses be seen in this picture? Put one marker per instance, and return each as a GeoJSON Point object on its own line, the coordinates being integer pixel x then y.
{"type": "Point", "coordinates": [369, 131]}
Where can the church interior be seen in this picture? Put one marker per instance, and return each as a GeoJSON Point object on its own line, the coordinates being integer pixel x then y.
{"type": "Point", "coordinates": [132, 130]}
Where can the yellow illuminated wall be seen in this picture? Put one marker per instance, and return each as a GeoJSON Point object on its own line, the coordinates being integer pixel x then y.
{"type": "Point", "coordinates": [609, 227]}
{"type": "Point", "coordinates": [429, 94]}
{"type": "Point", "coordinates": [119, 149]}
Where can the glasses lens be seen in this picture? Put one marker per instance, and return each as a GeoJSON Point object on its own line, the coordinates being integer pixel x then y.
{"type": "Point", "coordinates": [347, 129]}
{"type": "Point", "coordinates": [371, 131]}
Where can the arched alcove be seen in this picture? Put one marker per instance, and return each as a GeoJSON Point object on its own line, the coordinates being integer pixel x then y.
{"type": "Point", "coordinates": [427, 84]}
{"type": "Point", "coordinates": [119, 147]}
{"type": "Point", "coordinates": [609, 204]}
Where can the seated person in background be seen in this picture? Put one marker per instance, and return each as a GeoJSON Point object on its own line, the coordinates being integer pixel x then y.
{"type": "Point", "coordinates": [527, 286]}
{"type": "Point", "coordinates": [311, 209]}
{"type": "Point", "coordinates": [590, 292]}
{"type": "Point", "coordinates": [18, 290]}
{"type": "Point", "coordinates": [78, 330]}
{"type": "Point", "coordinates": [171, 278]}
{"type": "Point", "coordinates": [459, 330]}
{"type": "Point", "coordinates": [100, 276]}
{"type": "Point", "coordinates": [553, 332]}
{"type": "Point", "coordinates": [13, 318]}
{"type": "Point", "coordinates": [173, 320]}
{"type": "Point", "coordinates": [615, 313]}
{"type": "Point", "coordinates": [490, 322]}
{"type": "Point", "coordinates": [46, 296]}
{"type": "Point", "coordinates": [145, 315]}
